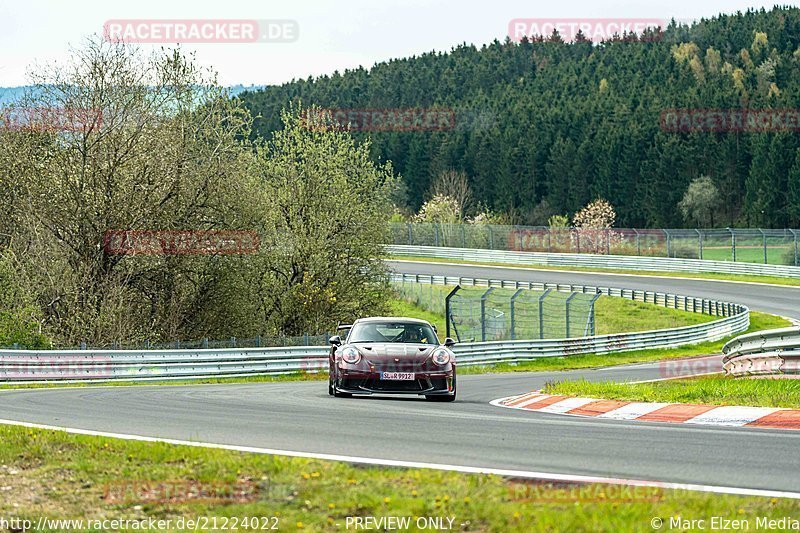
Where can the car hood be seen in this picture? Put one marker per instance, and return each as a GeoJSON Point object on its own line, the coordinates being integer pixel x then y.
{"type": "Point", "coordinates": [387, 352]}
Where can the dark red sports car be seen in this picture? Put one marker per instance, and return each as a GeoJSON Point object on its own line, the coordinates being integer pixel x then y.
{"type": "Point", "coordinates": [392, 356]}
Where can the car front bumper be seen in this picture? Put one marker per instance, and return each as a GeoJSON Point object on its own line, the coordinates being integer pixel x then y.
{"type": "Point", "coordinates": [424, 383]}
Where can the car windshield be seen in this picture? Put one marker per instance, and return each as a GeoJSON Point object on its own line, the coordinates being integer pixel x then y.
{"type": "Point", "coordinates": [407, 332]}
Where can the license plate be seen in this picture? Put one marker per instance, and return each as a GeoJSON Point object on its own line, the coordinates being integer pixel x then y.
{"type": "Point", "coordinates": [398, 376]}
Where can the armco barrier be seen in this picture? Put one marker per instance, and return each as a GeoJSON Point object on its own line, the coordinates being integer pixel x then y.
{"type": "Point", "coordinates": [624, 262]}
{"type": "Point", "coordinates": [133, 365]}
{"type": "Point", "coordinates": [771, 352]}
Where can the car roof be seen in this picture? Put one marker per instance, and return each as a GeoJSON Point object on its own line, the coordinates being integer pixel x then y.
{"type": "Point", "coordinates": [384, 319]}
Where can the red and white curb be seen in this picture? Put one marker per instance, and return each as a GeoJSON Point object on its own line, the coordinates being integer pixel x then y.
{"type": "Point", "coordinates": [710, 415]}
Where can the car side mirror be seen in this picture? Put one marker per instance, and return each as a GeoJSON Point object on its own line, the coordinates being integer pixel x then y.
{"type": "Point", "coordinates": [449, 343]}
{"type": "Point", "coordinates": [336, 340]}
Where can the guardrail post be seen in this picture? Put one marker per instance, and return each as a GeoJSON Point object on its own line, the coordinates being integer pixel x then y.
{"type": "Point", "coordinates": [513, 317]}
{"type": "Point", "coordinates": [483, 313]}
{"type": "Point", "coordinates": [541, 312]}
{"type": "Point", "coordinates": [571, 296]}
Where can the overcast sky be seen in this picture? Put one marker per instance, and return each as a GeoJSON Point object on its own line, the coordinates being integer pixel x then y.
{"type": "Point", "coordinates": [335, 34]}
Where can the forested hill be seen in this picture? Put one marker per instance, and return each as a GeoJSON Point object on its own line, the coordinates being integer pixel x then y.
{"type": "Point", "coordinates": [545, 127]}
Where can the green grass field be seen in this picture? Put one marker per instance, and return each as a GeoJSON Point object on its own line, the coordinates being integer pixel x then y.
{"type": "Point", "coordinates": [711, 390]}
{"type": "Point", "coordinates": [63, 476]}
{"type": "Point", "coordinates": [776, 255]}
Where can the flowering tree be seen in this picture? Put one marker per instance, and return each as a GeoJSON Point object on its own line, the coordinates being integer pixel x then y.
{"type": "Point", "coordinates": [593, 228]}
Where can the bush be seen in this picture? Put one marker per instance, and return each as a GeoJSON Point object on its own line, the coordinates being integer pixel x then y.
{"type": "Point", "coordinates": [20, 319]}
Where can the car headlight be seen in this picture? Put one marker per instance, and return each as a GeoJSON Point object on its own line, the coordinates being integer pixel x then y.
{"type": "Point", "coordinates": [350, 355]}
{"type": "Point", "coordinates": [441, 356]}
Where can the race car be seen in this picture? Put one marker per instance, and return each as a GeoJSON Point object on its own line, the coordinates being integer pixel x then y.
{"type": "Point", "coordinates": [384, 355]}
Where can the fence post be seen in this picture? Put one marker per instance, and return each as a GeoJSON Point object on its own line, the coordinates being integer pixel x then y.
{"type": "Point", "coordinates": [447, 312]}
{"type": "Point", "coordinates": [205, 342]}
{"type": "Point", "coordinates": [483, 313]}
{"type": "Point", "coordinates": [592, 315]}
{"type": "Point", "coordinates": [410, 234]}
{"type": "Point", "coordinates": [796, 262]}
{"type": "Point", "coordinates": [513, 317]}
{"type": "Point", "coordinates": [571, 296]}
{"type": "Point", "coordinates": [233, 341]}
{"type": "Point", "coordinates": [764, 237]}
{"type": "Point", "coordinates": [638, 242]}
{"type": "Point", "coordinates": [541, 312]}
{"type": "Point", "coordinates": [700, 241]}
{"type": "Point", "coordinates": [669, 243]}
{"type": "Point", "coordinates": [491, 236]}
{"type": "Point", "coordinates": [608, 241]}
{"type": "Point", "coordinates": [83, 345]}
{"type": "Point", "coordinates": [733, 244]}
{"type": "Point", "coordinates": [436, 233]}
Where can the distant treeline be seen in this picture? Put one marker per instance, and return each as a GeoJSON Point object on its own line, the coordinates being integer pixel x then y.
{"type": "Point", "coordinates": [543, 127]}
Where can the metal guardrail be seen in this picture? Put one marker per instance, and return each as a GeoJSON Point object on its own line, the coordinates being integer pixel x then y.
{"type": "Point", "coordinates": [597, 261]}
{"type": "Point", "coordinates": [135, 365]}
{"type": "Point", "coordinates": [771, 352]}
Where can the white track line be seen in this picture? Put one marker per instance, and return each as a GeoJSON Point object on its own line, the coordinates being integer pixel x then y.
{"type": "Point", "coordinates": [432, 466]}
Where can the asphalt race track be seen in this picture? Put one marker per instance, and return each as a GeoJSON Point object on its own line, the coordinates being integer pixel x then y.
{"type": "Point", "coordinates": [300, 416]}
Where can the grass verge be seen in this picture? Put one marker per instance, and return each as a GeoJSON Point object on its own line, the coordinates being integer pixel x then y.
{"type": "Point", "coordinates": [63, 476]}
{"type": "Point", "coordinates": [772, 280]}
{"type": "Point", "coordinates": [711, 390]}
